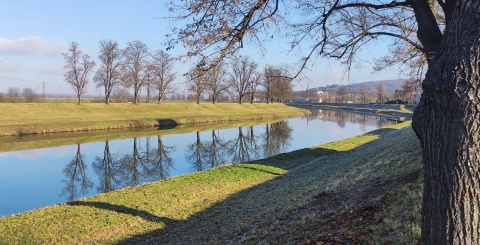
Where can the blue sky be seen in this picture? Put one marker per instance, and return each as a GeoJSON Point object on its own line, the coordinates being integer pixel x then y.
{"type": "Point", "coordinates": [33, 34]}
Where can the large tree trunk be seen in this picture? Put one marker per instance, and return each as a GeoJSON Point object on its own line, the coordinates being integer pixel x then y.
{"type": "Point", "coordinates": [447, 123]}
{"type": "Point", "coordinates": [135, 94]}
{"type": "Point", "coordinates": [160, 98]}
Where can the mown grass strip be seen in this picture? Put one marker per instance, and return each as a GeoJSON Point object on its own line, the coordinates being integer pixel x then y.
{"type": "Point", "coordinates": [34, 118]}
{"type": "Point", "coordinates": [243, 201]}
{"type": "Point", "coordinates": [35, 141]}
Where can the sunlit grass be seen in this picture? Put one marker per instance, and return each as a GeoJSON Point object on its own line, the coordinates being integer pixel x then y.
{"type": "Point", "coordinates": [24, 118]}
{"type": "Point", "coordinates": [25, 142]}
{"type": "Point", "coordinates": [268, 200]}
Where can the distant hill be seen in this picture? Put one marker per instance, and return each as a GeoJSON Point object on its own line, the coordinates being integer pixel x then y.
{"type": "Point", "coordinates": [389, 85]}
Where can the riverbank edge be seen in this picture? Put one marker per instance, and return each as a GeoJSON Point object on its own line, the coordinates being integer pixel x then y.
{"type": "Point", "coordinates": [195, 115]}
{"type": "Point", "coordinates": [49, 224]}
{"type": "Point", "coordinates": [36, 141]}
{"type": "Point", "coordinates": [390, 111]}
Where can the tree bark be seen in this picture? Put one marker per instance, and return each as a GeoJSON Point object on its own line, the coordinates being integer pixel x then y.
{"type": "Point", "coordinates": [447, 122]}
{"type": "Point", "coordinates": [160, 98]}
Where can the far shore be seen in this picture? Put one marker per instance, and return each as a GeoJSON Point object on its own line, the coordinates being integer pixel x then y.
{"type": "Point", "coordinates": [392, 111]}
{"type": "Point", "coordinates": [42, 118]}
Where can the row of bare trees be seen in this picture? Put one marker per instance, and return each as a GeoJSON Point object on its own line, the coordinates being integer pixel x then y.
{"type": "Point", "coordinates": [240, 78]}
{"type": "Point", "coordinates": [137, 67]}
{"type": "Point", "coordinates": [14, 94]}
{"type": "Point", "coordinates": [133, 67]}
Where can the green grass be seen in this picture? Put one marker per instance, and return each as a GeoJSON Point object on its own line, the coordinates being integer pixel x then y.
{"type": "Point", "coordinates": [288, 199]}
{"type": "Point", "coordinates": [35, 118]}
{"type": "Point", "coordinates": [34, 141]}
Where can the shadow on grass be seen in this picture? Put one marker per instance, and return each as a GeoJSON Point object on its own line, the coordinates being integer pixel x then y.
{"type": "Point", "coordinates": [256, 169]}
{"type": "Point", "coordinates": [125, 210]}
{"type": "Point", "coordinates": [285, 162]}
{"type": "Point", "coordinates": [275, 210]}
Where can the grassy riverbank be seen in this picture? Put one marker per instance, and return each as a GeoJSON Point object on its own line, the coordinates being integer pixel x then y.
{"type": "Point", "coordinates": [365, 189]}
{"type": "Point", "coordinates": [35, 118]}
{"type": "Point", "coordinates": [35, 141]}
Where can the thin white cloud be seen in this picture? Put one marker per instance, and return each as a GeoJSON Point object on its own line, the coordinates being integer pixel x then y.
{"type": "Point", "coordinates": [32, 46]}
{"type": "Point", "coordinates": [52, 69]}
{"type": "Point", "coordinates": [9, 68]}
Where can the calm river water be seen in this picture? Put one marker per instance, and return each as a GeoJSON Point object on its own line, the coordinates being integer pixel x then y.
{"type": "Point", "coordinates": [35, 178]}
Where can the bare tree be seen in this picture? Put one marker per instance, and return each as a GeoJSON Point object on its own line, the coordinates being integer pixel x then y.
{"type": "Point", "coordinates": [121, 94]}
{"type": "Point", "coordinates": [253, 85]}
{"type": "Point", "coordinates": [13, 93]}
{"type": "Point", "coordinates": [30, 95]}
{"type": "Point", "coordinates": [108, 75]}
{"type": "Point", "coordinates": [78, 66]}
{"type": "Point", "coordinates": [242, 73]}
{"type": "Point", "coordinates": [162, 65]}
{"type": "Point", "coordinates": [198, 80]}
{"type": "Point", "coordinates": [267, 83]}
{"type": "Point", "coordinates": [3, 97]}
{"type": "Point", "coordinates": [363, 94]}
{"type": "Point", "coordinates": [134, 67]}
{"type": "Point", "coordinates": [341, 93]}
{"type": "Point", "coordinates": [381, 94]}
{"type": "Point", "coordinates": [441, 34]}
{"type": "Point", "coordinates": [282, 86]}
{"type": "Point", "coordinates": [410, 89]}
{"type": "Point", "coordinates": [216, 80]}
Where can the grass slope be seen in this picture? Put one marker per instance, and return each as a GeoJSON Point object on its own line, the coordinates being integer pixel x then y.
{"type": "Point", "coordinates": [34, 118]}
{"type": "Point", "coordinates": [35, 141]}
{"type": "Point", "coordinates": [361, 190]}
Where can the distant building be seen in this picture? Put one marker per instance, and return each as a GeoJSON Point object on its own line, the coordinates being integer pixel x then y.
{"type": "Point", "coordinates": [321, 96]}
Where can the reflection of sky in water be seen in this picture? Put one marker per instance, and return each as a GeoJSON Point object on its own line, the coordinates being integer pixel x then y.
{"type": "Point", "coordinates": [36, 178]}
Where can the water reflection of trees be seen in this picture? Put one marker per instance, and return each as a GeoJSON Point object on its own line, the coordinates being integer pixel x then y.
{"type": "Point", "coordinates": [76, 181]}
{"type": "Point", "coordinates": [215, 153]}
{"type": "Point", "coordinates": [342, 117]}
{"type": "Point", "coordinates": [146, 163]}
{"type": "Point", "coordinates": [244, 147]}
{"type": "Point", "coordinates": [133, 168]}
{"type": "Point", "coordinates": [277, 138]}
{"type": "Point", "coordinates": [195, 155]}
{"type": "Point", "coordinates": [106, 169]}
{"type": "Point", "coordinates": [161, 162]}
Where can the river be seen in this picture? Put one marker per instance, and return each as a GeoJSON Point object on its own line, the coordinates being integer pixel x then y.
{"type": "Point", "coordinates": [40, 177]}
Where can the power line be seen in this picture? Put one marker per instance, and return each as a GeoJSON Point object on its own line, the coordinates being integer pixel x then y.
{"type": "Point", "coordinates": [23, 80]}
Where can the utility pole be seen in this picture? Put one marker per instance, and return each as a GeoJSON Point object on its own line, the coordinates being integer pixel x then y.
{"type": "Point", "coordinates": [43, 89]}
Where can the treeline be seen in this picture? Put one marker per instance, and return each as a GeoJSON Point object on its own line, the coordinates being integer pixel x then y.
{"type": "Point", "coordinates": [14, 94]}
{"type": "Point", "coordinates": [125, 72]}
{"type": "Point", "coordinates": [408, 94]}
